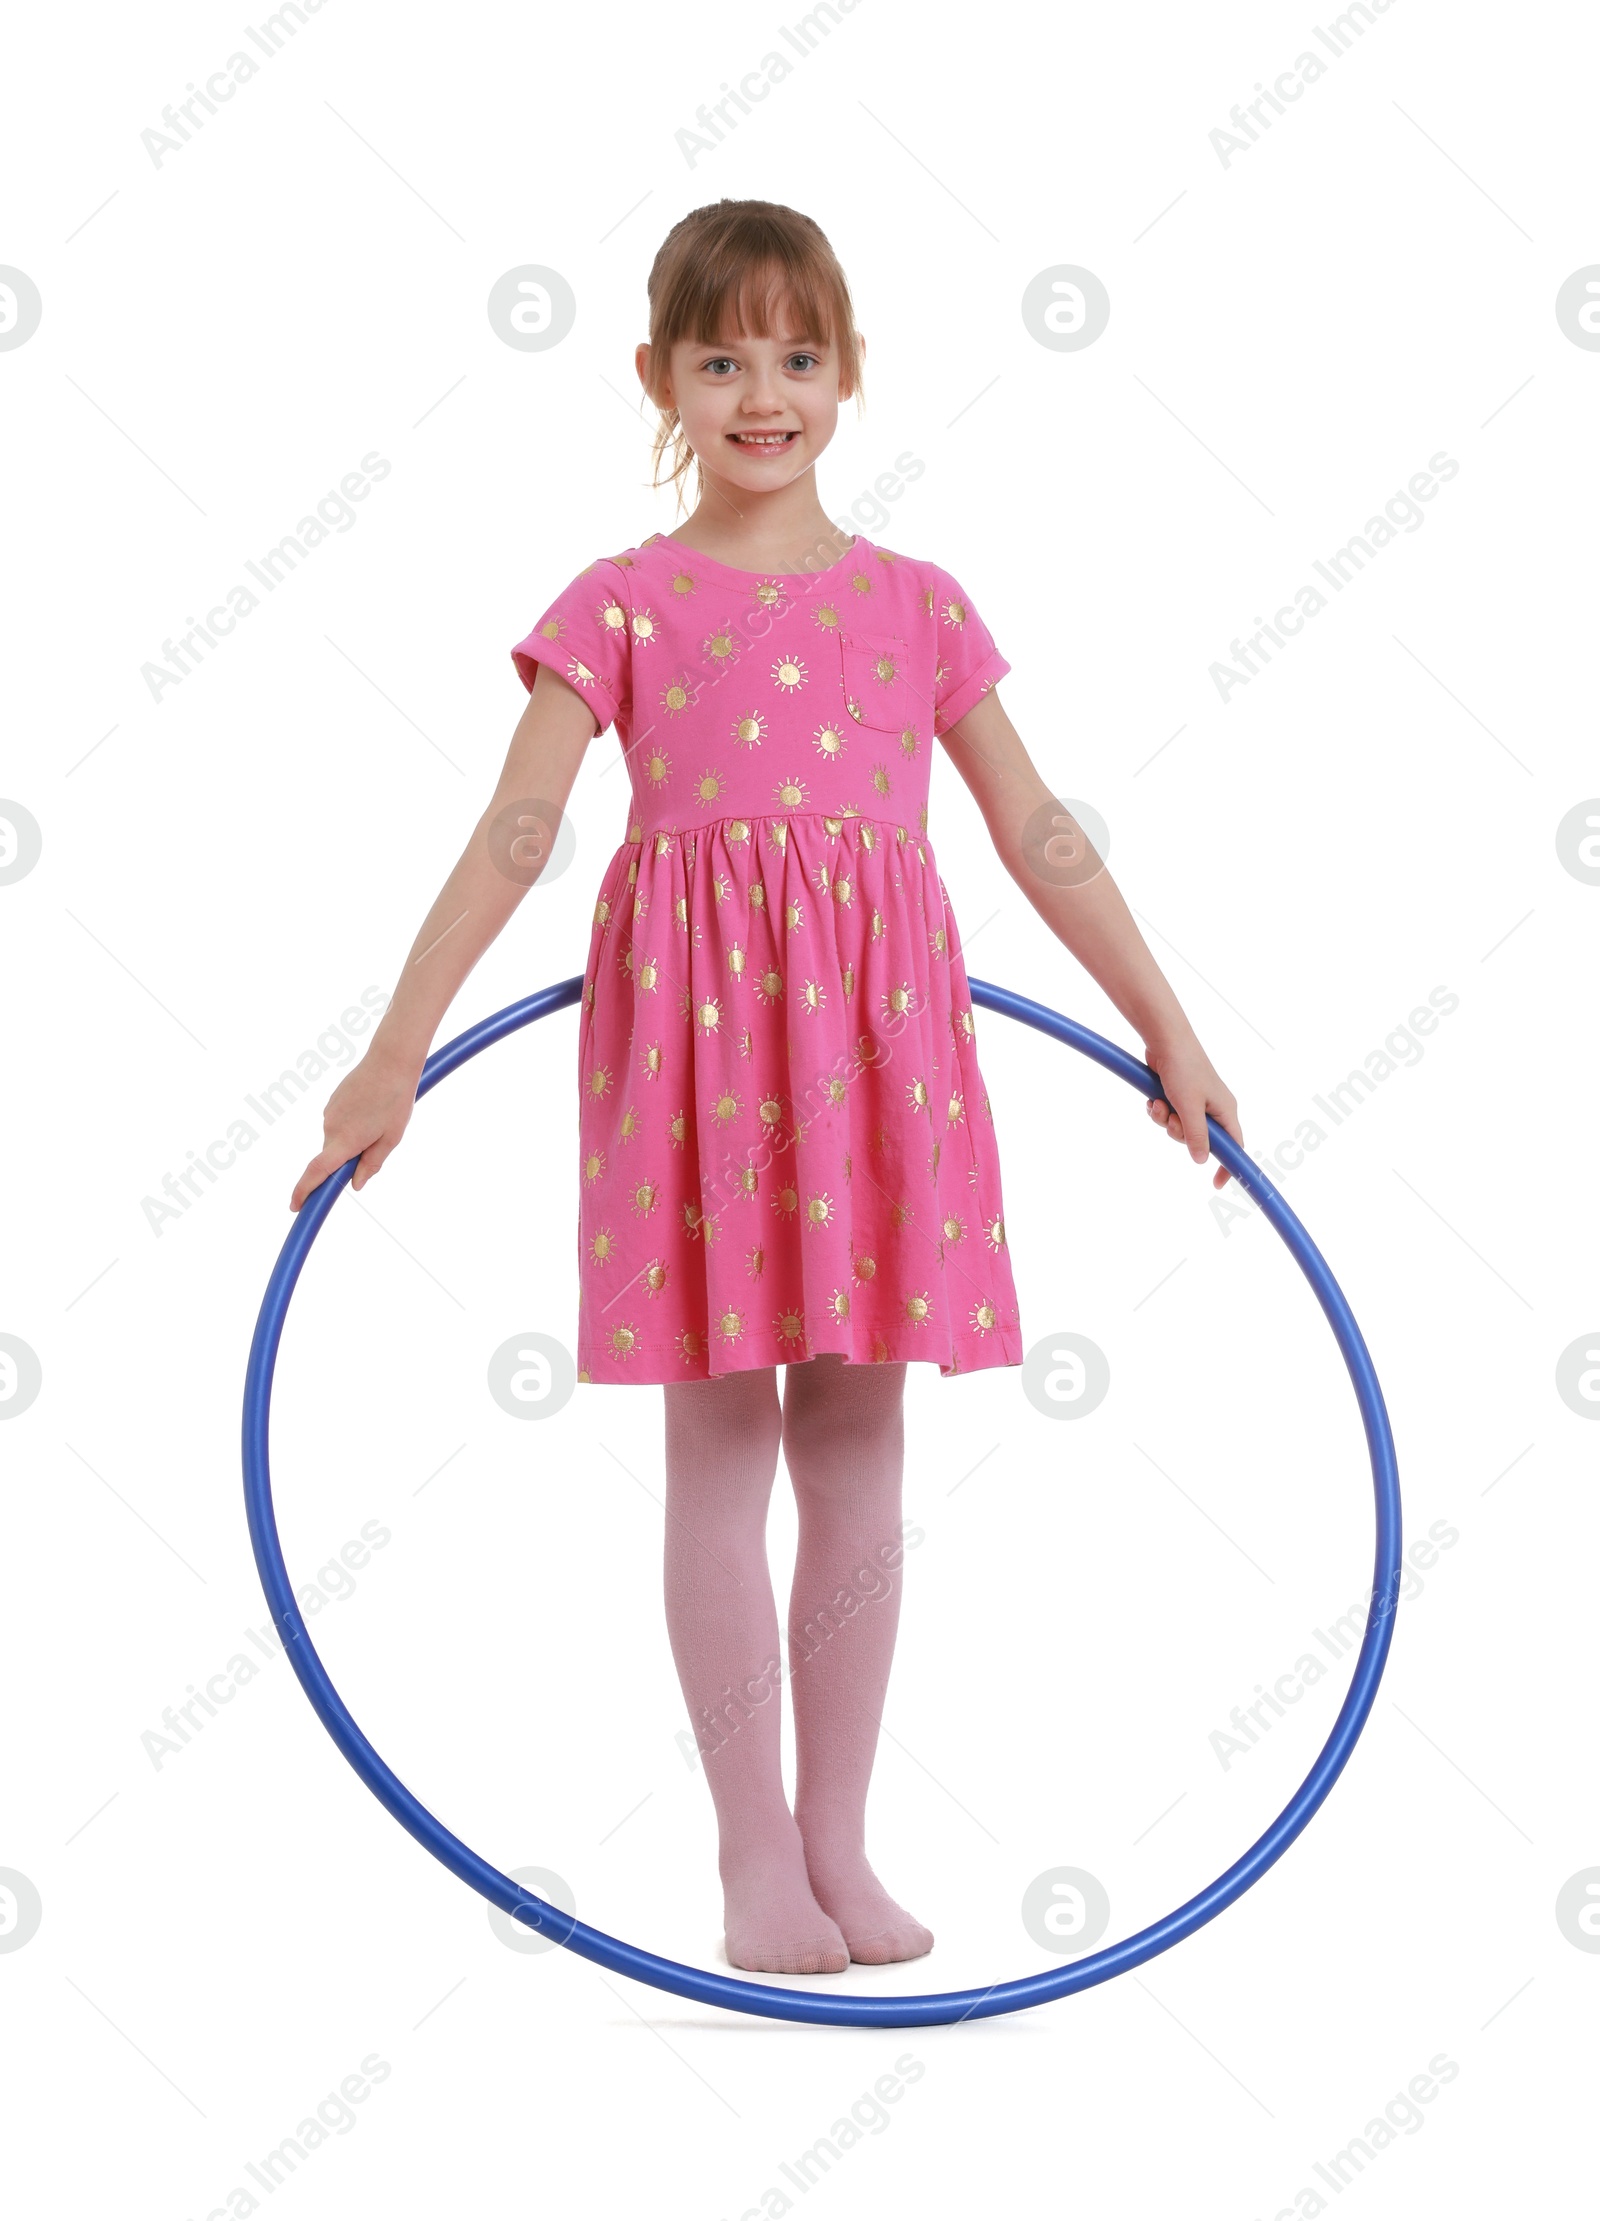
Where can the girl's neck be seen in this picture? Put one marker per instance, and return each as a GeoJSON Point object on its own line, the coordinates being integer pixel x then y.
{"type": "Point", "coordinates": [785, 530]}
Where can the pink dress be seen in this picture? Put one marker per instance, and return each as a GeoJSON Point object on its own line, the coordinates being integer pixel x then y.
{"type": "Point", "coordinates": [785, 1142]}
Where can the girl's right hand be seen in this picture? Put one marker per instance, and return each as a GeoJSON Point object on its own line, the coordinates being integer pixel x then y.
{"type": "Point", "coordinates": [366, 1114]}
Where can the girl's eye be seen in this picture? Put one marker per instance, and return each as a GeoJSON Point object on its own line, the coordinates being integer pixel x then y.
{"type": "Point", "coordinates": [716, 364]}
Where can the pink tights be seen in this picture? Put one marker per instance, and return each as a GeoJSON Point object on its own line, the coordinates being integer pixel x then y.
{"type": "Point", "coordinates": [798, 1894]}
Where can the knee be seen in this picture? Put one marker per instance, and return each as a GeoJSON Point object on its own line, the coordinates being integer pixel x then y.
{"type": "Point", "coordinates": [838, 1424]}
{"type": "Point", "coordinates": [744, 1405]}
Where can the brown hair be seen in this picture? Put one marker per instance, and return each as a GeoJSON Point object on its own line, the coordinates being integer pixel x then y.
{"type": "Point", "coordinates": [737, 260]}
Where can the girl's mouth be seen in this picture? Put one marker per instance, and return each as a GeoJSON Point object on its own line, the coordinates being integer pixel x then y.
{"type": "Point", "coordinates": [763, 443]}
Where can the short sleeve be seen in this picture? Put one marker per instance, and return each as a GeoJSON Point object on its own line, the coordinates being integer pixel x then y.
{"type": "Point", "coordinates": [584, 635]}
{"type": "Point", "coordinates": [968, 662]}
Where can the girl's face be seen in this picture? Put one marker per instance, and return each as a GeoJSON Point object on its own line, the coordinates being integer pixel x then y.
{"type": "Point", "coordinates": [757, 412]}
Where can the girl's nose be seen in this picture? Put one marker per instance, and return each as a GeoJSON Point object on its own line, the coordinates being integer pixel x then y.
{"type": "Point", "coordinates": [762, 397]}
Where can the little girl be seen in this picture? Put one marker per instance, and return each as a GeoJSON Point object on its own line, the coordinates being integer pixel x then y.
{"type": "Point", "coordinates": [787, 1154]}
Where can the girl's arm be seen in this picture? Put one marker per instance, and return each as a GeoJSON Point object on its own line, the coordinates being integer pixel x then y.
{"type": "Point", "coordinates": [371, 1107]}
{"type": "Point", "coordinates": [1092, 920]}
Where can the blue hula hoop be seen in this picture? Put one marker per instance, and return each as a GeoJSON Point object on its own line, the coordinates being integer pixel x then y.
{"type": "Point", "coordinates": [832, 2009]}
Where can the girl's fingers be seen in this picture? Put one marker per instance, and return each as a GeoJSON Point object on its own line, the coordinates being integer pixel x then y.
{"type": "Point", "coordinates": [1224, 1111]}
{"type": "Point", "coordinates": [327, 1160]}
{"type": "Point", "coordinates": [313, 1176]}
{"type": "Point", "coordinates": [372, 1160]}
{"type": "Point", "coordinates": [1193, 1118]}
{"type": "Point", "coordinates": [1164, 1115]}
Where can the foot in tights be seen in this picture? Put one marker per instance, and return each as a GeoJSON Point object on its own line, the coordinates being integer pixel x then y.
{"type": "Point", "coordinates": [844, 1445]}
{"type": "Point", "coordinates": [722, 1439]}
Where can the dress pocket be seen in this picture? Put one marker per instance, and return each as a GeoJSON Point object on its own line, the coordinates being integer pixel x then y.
{"type": "Point", "coordinates": [873, 674]}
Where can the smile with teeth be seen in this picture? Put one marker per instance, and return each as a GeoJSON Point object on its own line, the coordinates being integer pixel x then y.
{"type": "Point", "coordinates": [769, 441]}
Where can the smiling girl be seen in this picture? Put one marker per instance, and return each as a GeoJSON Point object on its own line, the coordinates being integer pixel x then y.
{"type": "Point", "coordinates": [787, 1154]}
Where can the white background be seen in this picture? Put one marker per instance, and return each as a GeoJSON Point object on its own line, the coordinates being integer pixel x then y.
{"type": "Point", "coordinates": [227, 1934]}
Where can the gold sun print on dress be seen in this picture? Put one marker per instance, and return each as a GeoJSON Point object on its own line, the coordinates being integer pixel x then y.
{"type": "Point", "coordinates": [646, 627]}
{"type": "Point", "coordinates": [721, 646]}
{"type": "Point", "coordinates": [789, 673]}
{"type": "Point", "coordinates": [749, 730]}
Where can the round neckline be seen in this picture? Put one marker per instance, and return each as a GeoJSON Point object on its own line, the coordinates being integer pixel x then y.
{"type": "Point", "coordinates": [850, 555]}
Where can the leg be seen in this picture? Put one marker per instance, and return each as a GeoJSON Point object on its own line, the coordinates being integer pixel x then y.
{"type": "Point", "coordinates": [844, 1443]}
{"type": "Point", "coordinates": [722, 1457]}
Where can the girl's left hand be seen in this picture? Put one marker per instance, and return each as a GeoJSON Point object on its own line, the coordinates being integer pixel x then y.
{"type": "Point", "coordinates": [1193, 1087]}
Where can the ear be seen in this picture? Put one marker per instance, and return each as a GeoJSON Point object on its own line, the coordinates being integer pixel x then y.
{"type": "Point", "coordinates": [641, 363]}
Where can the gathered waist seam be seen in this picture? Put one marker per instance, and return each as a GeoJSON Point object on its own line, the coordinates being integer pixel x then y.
{"type": "Point", "coordinates": [637, 835]}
